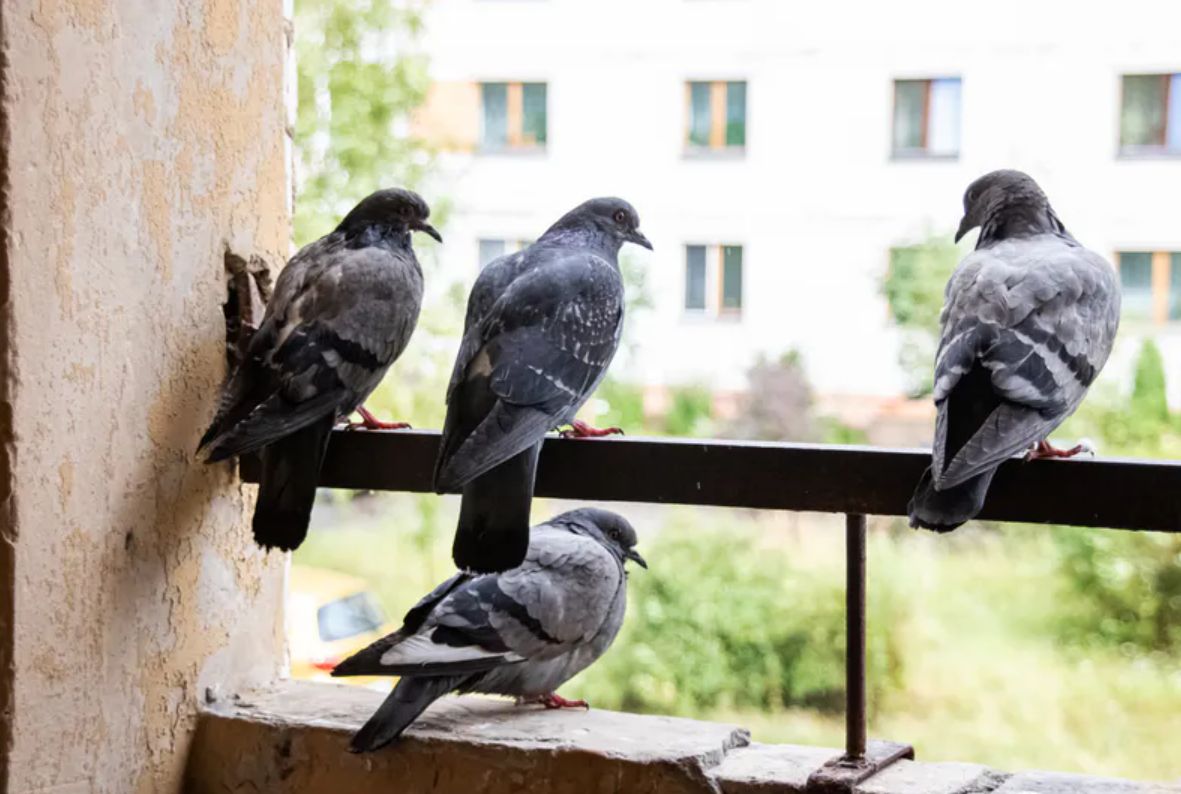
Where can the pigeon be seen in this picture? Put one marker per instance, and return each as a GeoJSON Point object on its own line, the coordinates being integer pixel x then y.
{"type": "Point", "coordinates": [542, 327]}
{"type": "Point", "coordinates": [342, 311]}
{"type": "Point", "coordinates": [523, 632]}
{"type": "Point", "coordinates": [1028, 321]}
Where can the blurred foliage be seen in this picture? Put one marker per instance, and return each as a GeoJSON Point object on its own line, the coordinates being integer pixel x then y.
{"type": "Point", "coordinates": [358, 79]}
{"type": "Point", "coordinates": [622, 405]}
{"type": "Point", "coordinates": [1149, 400]}
{"type": "Point", "coordinates": [722, 621]}
{"type": "Point", "coordinates": [690, 410]}
{"type": "Point", "coordinates": [777, 405]}
{"type": "Point", "coordinates": [913, 287]}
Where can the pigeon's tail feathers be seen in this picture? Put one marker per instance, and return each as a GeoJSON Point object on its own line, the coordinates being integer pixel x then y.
{"type": "Point", "coordinates": [275, 418]}
{"type": "Point", "coordinates": [287, 486]}
{"type": "Point", "coordinates": [493, 531]}
{"type": "Point", "coordinates": [944, 510]}
{"type": "Point", "coordinates": [403, 705]}
{"type": "Point", "coordinates": [502, 434]}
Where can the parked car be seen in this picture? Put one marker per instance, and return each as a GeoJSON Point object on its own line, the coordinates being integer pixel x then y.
{"type": "Point", "coordinates": [330, 616]}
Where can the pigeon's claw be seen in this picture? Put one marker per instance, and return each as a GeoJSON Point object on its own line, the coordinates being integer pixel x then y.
{"type": "Point", "coordinates": [555, 701]}
{"type": "Point", "coordinates": [1044, 449]}
{"type": "Point", "coordinates": [580, 429]}
{"type": "Point", "coordinates": [371, 422]}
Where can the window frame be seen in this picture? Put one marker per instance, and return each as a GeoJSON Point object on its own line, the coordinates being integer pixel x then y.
{"type": "Point", "coordinates": [719, 120]}
{"type": "Point", "coordinates": [1171, 82]}
{"type": "Point", "coordinates": [514, 119]}
{"type": "Point", "coordinates": [714, 283]}
{"type": "Point", "coordinates": [924, 152]}
{"type": "Point", "coordinates": [1163, 263]}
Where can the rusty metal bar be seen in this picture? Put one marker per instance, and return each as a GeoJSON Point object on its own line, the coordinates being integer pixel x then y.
{"type": "Point", "coordinates": [1120, 494]}
{"type": "Point", "coordinates": [855, 636]}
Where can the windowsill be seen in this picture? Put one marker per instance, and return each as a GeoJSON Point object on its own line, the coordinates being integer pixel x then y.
{"type": "Point", "coordinates": [1148, 154]}
{"type": "Point", "coordinates": [706, 153]}
{"type": "Point", "coordinates": [701, 317]}
{"type": "Point", "coordinates": [918, 155]}
{"type": "Point", "coordinates": [292, 736]}
{"type": "Point", "coordinates": [512, 151]}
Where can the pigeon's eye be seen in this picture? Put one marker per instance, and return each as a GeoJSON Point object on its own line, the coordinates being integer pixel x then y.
{"type": "Point", "coordinates": [620, 217]}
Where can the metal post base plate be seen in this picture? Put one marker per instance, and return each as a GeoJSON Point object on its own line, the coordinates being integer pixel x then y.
{"type": "Point", "coordinates": [841, 775]}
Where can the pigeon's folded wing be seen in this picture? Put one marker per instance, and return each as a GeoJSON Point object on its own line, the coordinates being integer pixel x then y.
{"type": "Point", "coordinates": [543, 348]}
{"type": "Point", "coordinates": [1037, 319]}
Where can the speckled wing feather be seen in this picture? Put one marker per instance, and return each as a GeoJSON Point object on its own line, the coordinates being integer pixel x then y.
{"type": "Point", "coordinates": [1027, 325]}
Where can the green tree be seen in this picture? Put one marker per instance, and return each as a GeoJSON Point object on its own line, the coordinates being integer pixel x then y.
{"type": "Point", "coordinates": [358, 81]}
{"type": "Point", "coordinates": [913, 287]}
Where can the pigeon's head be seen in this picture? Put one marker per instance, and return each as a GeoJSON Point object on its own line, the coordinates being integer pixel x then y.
{"type": "Point", "coordinates": [612, 530]}
{"type": "Point", "coordinates": [611, 218]}
{"type": "Point", "coordinates": [395, 207]}
{"type": "Point", "coordinates": [999, 193]}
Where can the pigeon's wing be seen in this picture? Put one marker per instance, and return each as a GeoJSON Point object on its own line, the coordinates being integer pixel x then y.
{"type": "Point", "coordinates": [1027, 326]}
{"type": "Point", "coordinates": [543, 347]}
{"type": "Point", "coordinates": [335, 325]}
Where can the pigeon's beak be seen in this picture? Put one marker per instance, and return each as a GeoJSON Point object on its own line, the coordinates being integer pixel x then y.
{"type": "Point", "coordinates": [966, 225]}
{"type": "Point", "coordinates": [423, 226]}
{"type": "Point", "coordinates": [635, 557]}
{"type": "Point", "coordinates": [638, 238]}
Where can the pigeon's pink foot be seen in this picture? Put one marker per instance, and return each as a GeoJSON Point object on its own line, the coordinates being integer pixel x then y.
{"type": "Point", "coordinates": [580, 429]}
{"type": "Point", "coordinates": [371, 422]}
{"type": "Point", "coordinates": [1044, 449]}
{"type": "Point", "coordinates": [555, 701]}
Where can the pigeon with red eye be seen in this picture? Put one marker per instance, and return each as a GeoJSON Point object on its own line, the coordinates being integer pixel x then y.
{"type": "Point", "coordinates": [342, 311]}
{"type": "Point", "coordinates": [1028, 322]}
{"type": "Point", "coordinates": [542, 327]}
{"type": "Point", "coordinates": [522, 633]}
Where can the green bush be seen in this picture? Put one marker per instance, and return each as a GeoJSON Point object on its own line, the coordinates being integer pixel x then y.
{"type": "Point", "coordinates": [691, 408]}
{"type": "Point", "coordinates": [625, 405]}
{"type": "Point", "coordinates": [722, 621]}
{"type": "Point", "coordinates": [1149, 403]}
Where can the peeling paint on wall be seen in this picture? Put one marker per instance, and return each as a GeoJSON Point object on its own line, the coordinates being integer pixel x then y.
{"type": "Point", "coordinates": [151, 138]}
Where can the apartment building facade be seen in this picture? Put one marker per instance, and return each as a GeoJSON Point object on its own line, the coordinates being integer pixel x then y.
{"type": "Point", "coordinates": [778, 152]}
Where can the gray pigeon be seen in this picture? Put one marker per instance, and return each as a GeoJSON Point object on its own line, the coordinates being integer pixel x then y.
{"type": "Point", "coordinates": [542, 326]}
{"type": "Point", "coordinates": [342, 311]}
{"type": "Point", "coordinates": [524, 632]}
{"type": "Point", "coordinates": [1028, 322]}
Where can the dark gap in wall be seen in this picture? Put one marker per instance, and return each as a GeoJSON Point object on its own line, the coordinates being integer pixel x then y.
{"type": "Point", "coordinates": [248, 289]}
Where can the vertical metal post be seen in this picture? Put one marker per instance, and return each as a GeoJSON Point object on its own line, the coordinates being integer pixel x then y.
{"type": "Point", "coordinates": [855, 636]}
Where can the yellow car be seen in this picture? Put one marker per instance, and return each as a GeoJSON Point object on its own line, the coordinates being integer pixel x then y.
{"type": "Point", "coordinates": [330, 616]}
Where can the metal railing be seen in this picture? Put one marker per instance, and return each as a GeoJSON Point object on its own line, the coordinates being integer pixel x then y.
{"type": "Point", "coordinates": [856, 481]}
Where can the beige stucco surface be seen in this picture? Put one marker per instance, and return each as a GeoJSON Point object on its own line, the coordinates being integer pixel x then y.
{"type": "Point", "coordinates": [144, 138]}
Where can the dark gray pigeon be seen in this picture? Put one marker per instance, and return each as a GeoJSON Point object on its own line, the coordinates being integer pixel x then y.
{"type": "Point", "coordinates": [524, 632]}
{"type": "Point", "coordinates": [342, 311]}
{"type": "Point", "coordinates": [1028, 322]}
{"type": "Point", "coordinates": [542, 326]}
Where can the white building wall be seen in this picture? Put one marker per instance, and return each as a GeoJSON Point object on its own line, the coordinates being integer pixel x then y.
{"type": "Point", "coordinates": [817, 201]}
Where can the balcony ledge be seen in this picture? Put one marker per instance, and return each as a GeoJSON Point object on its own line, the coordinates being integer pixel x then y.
{"type": "Point", "coordinates": [292, 736]}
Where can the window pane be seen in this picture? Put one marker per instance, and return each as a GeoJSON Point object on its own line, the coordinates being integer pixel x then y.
{"type": "Point", "coordinates": [1175, 286]}
{"type": "Point", "coordinates": [699, 114]}
{"type": "Point", "coordinates": [495, 101]}
{"type": "Point", "coordinates": [1173, 131]}
{"type": "Point", "coordinates": [1142, 118]}
{"type": "Point", "coordinates": [732, 277]}
{"type": "Point", "coordinates": [736, 114]}
{"type": "Point", "coordinates": [943, 124]}
{"type": "Point", "coordinates": [533, 123]}
{"type": "Point", "coordinates": [1135, 276]}
{"type": "Point", "coordinates": [489, 250]}
{"type": "Point", "coordinates": [910, 98]}
{"type": "Point", "coordinates": [695, 277]}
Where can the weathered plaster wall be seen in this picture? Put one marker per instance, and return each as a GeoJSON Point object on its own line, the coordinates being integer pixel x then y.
{"type": "Point", "coordinates": [143, 139]}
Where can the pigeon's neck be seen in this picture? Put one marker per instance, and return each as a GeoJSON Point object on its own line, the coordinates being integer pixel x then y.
{"type": "Point", "coordinates": [586, 237]}
{"type": "Point", "coordinates": [1021, 221]}
{"type": "Point", "coordinates": [377, 235]}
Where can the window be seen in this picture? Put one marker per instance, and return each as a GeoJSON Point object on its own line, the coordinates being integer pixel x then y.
{"type": "Point", "coordinates": [717, 116]}
{"type": "Point", "coordinates": [713, 280]}
{"type": "Point", "coordinates": [348, 617]}
{"type": "Point", "coordinates": [1150, 114]}
{"type": "Point", "coordinates": [514, 116]}
{"type": "Point", "coordinates": [491, 249]}
{"type": "Point", "coordinates": [927, 118]}
{"type": "Point", "coordinates": [1151, 285]}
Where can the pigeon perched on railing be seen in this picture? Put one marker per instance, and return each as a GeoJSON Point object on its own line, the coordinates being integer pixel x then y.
{"type": "Point", "coordinates": [542, 326]}
{"type": "Point", "coordinates": [1029, 320]}
{"type": "Point", "coordinates": [342, 311]}
{"type": "Point", "coordinates": [524, 632]}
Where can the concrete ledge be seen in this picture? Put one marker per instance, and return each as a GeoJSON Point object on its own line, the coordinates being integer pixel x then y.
{"type": "Point", "coordinates": [292, 737]}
